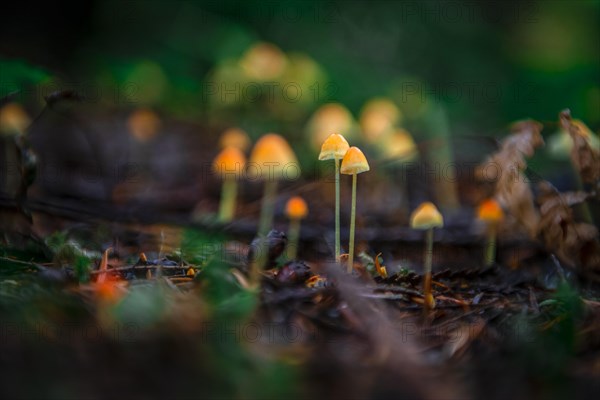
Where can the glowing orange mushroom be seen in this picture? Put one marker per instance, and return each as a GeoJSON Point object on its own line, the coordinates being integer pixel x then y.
{"type": "Point", "coordinates": [427, 217]}
{"type": "Point", "coordinates": [353, 163]}
{"type": "Point", "coordinates": [490, 212]}
{"type": "Point", "coordinates": [229, 165]}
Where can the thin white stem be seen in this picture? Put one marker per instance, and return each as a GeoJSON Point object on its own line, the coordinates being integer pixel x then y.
{"type": "Point", "coordinates": [490, 252]}
{"type": "Point", "coordinates": [265, 223]}
{"type": "Point", "coordinates": [293, 237]}
{"type": "Point", "coordinates": [352, 226]}
{"type": "Point", "coordinates": [228, 197]}
{"type": "Point", "coordinates": [337, 209]}
{"type": "Point", "coordinates": [427, 267]}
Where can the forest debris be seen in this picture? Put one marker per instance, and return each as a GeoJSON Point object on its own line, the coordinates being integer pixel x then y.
{"type": "Point", "coordinates": [240, 278]}
{"type": "Point", "coordinates": [572, 242]}
{"type": "Point", "coordinates": [585, 158]}
{"type": "Point", "coordinates": [458, 302]}
{"type": "Point", "coordinates": [316, 281]}
{"type": "Point", "coordinates": [505, 168]}
{"type": "Point", "coordinates": [381, 270]}
{"type": "Point", "coordinates": [292, 273]}
{"type": "Point", "coordinates": [463, 336]}
{"type": "Point", "coordinates": [103, 269]}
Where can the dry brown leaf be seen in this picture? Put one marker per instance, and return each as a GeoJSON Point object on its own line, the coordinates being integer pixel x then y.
{"type": "Point", "coordinates": [572, 242]}
{"type": "Point", "coordinates": [505, 168]}
{"type": "Point", "coordinates": [463, 337]}
{"type": "Point", "coordinates": [585, 158]}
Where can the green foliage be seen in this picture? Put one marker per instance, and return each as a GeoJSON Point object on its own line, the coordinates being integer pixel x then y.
{"type": "Point", "coordinates": [143, 307]}
{"type": "Point", "coordinates": [547, 343]}
{"type": "Point", "coordinates": [69, 252]}
{"type": "Point", "coordinates": [200, 248]}
{"type": "Point", "coordinates": [237, 372]}
{"type": "Point", "coordinates": [15, 75]}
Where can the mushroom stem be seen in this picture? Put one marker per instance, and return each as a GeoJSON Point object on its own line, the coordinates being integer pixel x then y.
{"type": "Point", "coordinates": [490, 250]}
{"type": "Point", "coordinates": [352, 226]}
{"type": "Point", "coordinates": [268, 204]}
{"type": "Point", "coordinates": [228, 197]}
{"type": "Point", "coordinates": [293, 236]}
{"type": "Point", "coordinates": [337, 209]}
{"type": "Point", "coordinates": [264, 225]}
{"type": "Point", "coordinates": [427, 269]}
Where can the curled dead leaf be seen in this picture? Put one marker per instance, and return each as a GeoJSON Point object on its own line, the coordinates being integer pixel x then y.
{"type": "Point", "coordinates": [585, 157]}
{"type": "Point", "coordinates": [571, 241]}
{"type": "Point", "coordinates": [505, 169]}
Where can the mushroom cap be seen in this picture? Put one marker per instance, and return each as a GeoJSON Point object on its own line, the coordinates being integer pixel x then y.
{"type": "Point", "coordinates": [490, 211]}
{"type": "Point", "coordinates": [229, 162]}
{"type": "Point", "coordinates": [399, 144]}
{"type": "Point", "coordinates": [272, 155]}
{"type": "Point", "coordinates": [264, 61]}
{"type": "Point", "coordinates": [354, 162]}
{"type": "Point", "coordinates": [426, 216]}
{"type": "Point", "coordinates": [296, 208]}
{"type": "Point", "coordinates": [235, 137]}
{"type": "Point", "coordinates": [143, 124]}
{"type": "Point", "coordinates": [377, 117]}
{"type": "Point", "coordinates": [334, 147]}
{"type": "Point", "coordinates": [331, 117]}
{"type": "Point", "coordinates": [13, 119]}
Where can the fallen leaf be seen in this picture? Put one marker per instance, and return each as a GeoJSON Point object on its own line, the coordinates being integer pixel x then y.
{"type": "Point", "coordinates": [585, 158]}
{"type": "Point", "coordinates": [505, 169]}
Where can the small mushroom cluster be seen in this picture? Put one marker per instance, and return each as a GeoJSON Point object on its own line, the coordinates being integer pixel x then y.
{"type": "Point", "coordinates": [229, 165]}
{"type": "Point", "coordinates": [426, 217]}
{"type": "Point", "coordinates": [271, 160]}
{"type": "Point", "coordinates": [353, 162]}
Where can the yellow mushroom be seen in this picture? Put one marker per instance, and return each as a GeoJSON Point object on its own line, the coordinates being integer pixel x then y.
{"type": "Point", "coordinates": [335, 148]}
{"type": "Point", "coordinates": [331, 117]}
{"type": "Point", "coordinates": [399, 144]}
{"type": "Point", "coordinates": [263, 61]}
{"type": "Point", "coordinates": [13, 119]}
{"type": "Point", "coordinates": [143, 124]}
{"type": "Point", "coordinates": [353, 163]}
{"type": "Point", "coordinates": [235, 137]}
{"type": "Point", "coordinates": [229, 164]}
{"type": "Point", "coordinates": [296, 210]}
{"type": "Point", "coordinates": [427, 217]}
{"type": "Point", "coordinates": [490, 212]}
{"type": "Point", "coordinates": [274, 160]}
{"type": "Point", "coordinates": [378, 117]}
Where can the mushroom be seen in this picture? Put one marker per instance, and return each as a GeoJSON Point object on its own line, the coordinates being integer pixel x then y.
{"type": "Point", "coordinates": [399, 144]}
{"type": "Point", "coordinates": [275, 160]}
{"type": "Point", "coordinates": [378, 117]}
{"type": "Point", "coordinates": [296, 210]}
{"type": "Point", "coordinates": [263, 61]}
{"type": "Point", "coordinates": [427, 217]}
{"type": "Point", "coordinates": [353, 163]}
{"type": "Point", "coordinates": [13, 119]}
{"type": "Point", "coordinates": [331, 117]}
{"type": "Point", "coordinates": [229, 164]}
{"type": "Point", "coordinates": [490, 212]}
{"type": "Point", "coordinates": [235, 137]}
{"type": "Point", "coordinates": [335, 148]}
{"type": "Point", "coordinates": [143, 124]}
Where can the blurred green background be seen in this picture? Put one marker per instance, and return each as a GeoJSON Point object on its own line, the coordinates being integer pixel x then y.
{"type": "Point", "coordinates": [484, 63]}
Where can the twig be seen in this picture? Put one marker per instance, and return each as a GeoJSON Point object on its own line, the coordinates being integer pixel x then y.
{"type": "Point", "coordinates": [142, 268]}
{"type": "Point", "coordinates": [30, 263]}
